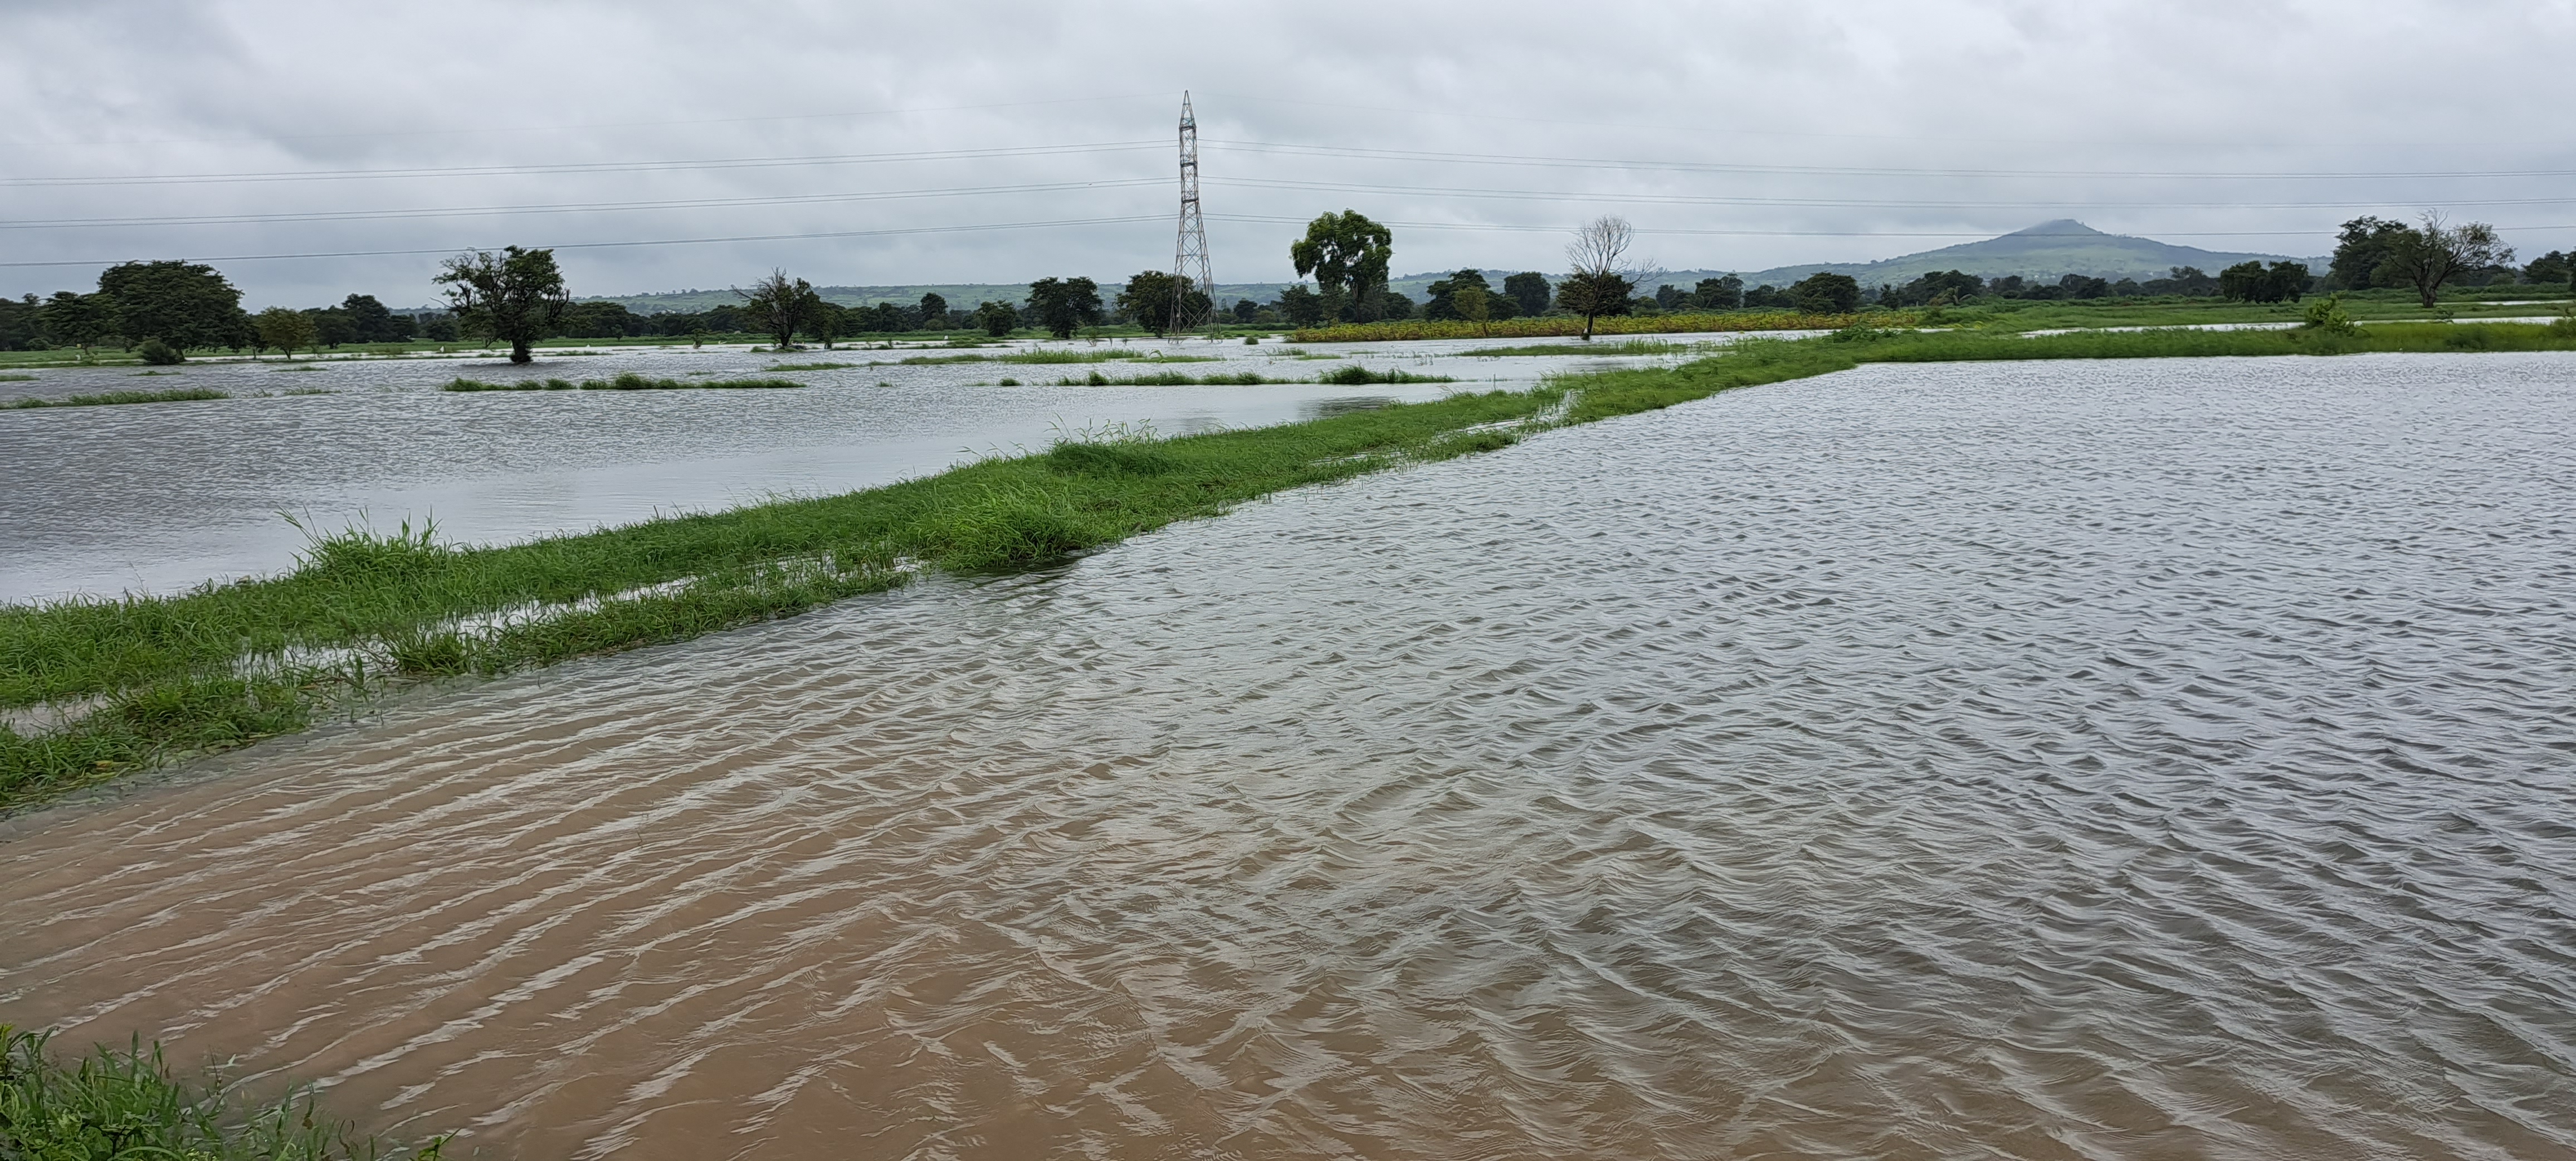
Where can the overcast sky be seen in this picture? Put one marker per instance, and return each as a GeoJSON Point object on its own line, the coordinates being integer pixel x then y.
{"type": "Point", "coordinates": [1735, 136]}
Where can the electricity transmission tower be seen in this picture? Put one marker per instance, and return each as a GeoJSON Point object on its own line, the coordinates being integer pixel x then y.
{"type": "Point", "coordinates": [1190, 252]}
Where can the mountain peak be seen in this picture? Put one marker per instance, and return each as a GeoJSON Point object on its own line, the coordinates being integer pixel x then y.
{"type": "Point", "coordinates": [2060, 228]}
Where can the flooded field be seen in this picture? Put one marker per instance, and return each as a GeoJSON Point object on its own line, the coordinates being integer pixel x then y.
{"type": "Point", "coordinates": [2077, 760]}
{"type": "Point", "coordinates": [161, 496]}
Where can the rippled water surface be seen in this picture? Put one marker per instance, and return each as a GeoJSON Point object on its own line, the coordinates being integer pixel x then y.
{"type": "Point", "coordinates": [2164, 759]}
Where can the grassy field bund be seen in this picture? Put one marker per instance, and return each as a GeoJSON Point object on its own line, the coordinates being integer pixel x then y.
{"type": "Point", "coordinates": [103, 687]}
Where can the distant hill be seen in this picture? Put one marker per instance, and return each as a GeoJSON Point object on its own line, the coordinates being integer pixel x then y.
{"type": "Point", "coordinates": [2047, 251]}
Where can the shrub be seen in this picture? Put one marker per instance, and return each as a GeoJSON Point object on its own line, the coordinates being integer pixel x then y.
{"type": "Point", "coordinates": [2327, 315]}
{"type": "Point", "coordinates": [158, 353]}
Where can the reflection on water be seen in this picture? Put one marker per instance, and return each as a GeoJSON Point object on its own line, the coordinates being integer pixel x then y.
{"type": "Point", "coordinates": [2115, 760]}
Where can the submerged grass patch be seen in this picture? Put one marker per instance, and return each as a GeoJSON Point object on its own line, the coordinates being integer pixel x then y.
{"type": "Point", "coordinates": [113, 398]}
{"type": "Point", "coordinates": [17, 378]}
{"type": "Point", "coordinates": [1050, 358]}
{"type": "Point", "coordinates": [1359, 376]}
{"type": "Point", "coordinates": [1167, 379]}
{"type": "Point", "coordinates": [629, 381]}
{"type": "Point", "coordinates": [227, 664]}
{"type": "Point", "coordinates": [128, 1103]}
{"type": "Point", "coordinates": [1623, 347]}
{"type": "Point", "coordinates": [811, 366]}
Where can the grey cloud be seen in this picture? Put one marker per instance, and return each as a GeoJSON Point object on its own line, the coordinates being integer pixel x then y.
{"type": "Point", "coordinates": [2001, 89]}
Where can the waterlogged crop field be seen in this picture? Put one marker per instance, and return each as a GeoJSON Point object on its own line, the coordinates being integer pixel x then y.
{"type": "Point", "coordinates": [159, 496]}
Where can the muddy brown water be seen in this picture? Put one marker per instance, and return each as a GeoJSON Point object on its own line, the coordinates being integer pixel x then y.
{"type": "Point", "coordinates": [2068, 761]}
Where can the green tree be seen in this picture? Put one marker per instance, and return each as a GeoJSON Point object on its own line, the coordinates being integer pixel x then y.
{"type": "Point", "coordinates": [2429, 255]}
{"type": "Point", "coordinates": [78, 320]}
{"type": "Point", "coordinates": [369, 319]}
{"type": "Point", "coordinates": [285, 329]}
{"type": "Point", "coordinates": [182, 304]}
{"type": "Point", "coordinates": [1443, 302]}
{"type": "Point", "coordinates": [1062, 304]}
{"type": "Point", "coordinates": [1301, 306]}
{"type": "Point", "coordinates": [934, 311]}
{"type": "Point", "coordinates": [515, 296]}
{"type": "Point", "coordinates": [1147, 301]}
{"type": "Point", "coordinates": [22, 324]}
{"type": "Point", "coordinates": [1529, 291]}
{"type": "Point", "coordinates": [2361, 253]}
{"type": "Point", "coordinates": [333, 326]}
{"type": "Point", "coordinates": [1825, 292]}
{"type": "Point", "coordinates": [2242, 282]}
{"type": "Point", "coordinates": [829, 321]}
{"type": "Point", "coordinates": [1349, 253]}
{"type": "Point", "coordinates": [997, 318]}
{"type": "Point", "coordinates": [779, 305]}
{"type": "Point", "coordinates": [2551, 269]}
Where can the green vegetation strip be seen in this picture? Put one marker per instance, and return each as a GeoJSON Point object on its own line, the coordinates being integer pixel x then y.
{"type": "Point", "coordinates": [111, 398]}
{"type": "Point", "coordinates": [1050, 358]}
{"type": "Point", "coordinates": [116, 1104]}
{"type": "Point", "coordinates": [1351, 376]}
{"type": "Point", "coordinates": [1560, 350]}
{"type": "Point", "coordinates": [171, 675]}
{"type": "Point", "coordinates": [1546, 326]}
{"type": "Point", "coordinates": [629, 381]}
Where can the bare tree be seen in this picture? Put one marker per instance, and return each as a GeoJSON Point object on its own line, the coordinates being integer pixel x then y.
{"type": "Point", "coordinates": [1603, 276]}
{"type": "Point", "coordinates": [2434, 253]}
{"type": "Point", "coordinates": [779, 305]}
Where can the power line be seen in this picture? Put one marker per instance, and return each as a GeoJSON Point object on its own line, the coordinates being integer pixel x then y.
{"type": "Point", "coordinates": [578, 167]}
{"type": "Point", "coordinates": [572, 207]}
{"type": "Point", "coordinates": [637, 242]}
{"type": "Point", "coordinates": [484, 130]}
{"type": "Point", "coordinates": [1293, 149]}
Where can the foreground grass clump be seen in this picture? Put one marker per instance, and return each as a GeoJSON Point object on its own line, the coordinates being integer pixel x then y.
{"type": "Point", "coordinates": [114, 1105]}
{"type": "Point", "coordinates": [227, 664]}
{"type": "Point", "coordinates": [629, 381]}
{"type": "Point", "coordinates": [111, 398]}
{"type": "Point", "coordinates": [1167, 379]}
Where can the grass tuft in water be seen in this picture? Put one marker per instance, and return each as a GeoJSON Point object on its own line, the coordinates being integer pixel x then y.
{"type": "Point", "coordinates": [805, 367]}
{"type": "Point", "coordinates": [1167, 379]}
{"type": "Point", "coordinates": [112, 398]}
{"type": "Point", "coordinates": [1359, 376]}
{"type": "Point", "coordinates": [115, 1104]}
{"type": "Point", "coordinates": [629, 381]}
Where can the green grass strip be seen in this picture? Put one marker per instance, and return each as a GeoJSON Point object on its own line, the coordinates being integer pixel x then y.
{"type": "Point", "coordinates": [166, 677]}
{"type": "Point", "coordinates": [129, 1104]}
{"type": "Point", "coordinates": [629, 381]}
{"type": "Point", "coordinates": [113, 398]}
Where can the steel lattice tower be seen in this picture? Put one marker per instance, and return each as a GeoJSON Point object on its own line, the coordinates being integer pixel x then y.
{"type": "Point", "coordinates": [1190, 252]}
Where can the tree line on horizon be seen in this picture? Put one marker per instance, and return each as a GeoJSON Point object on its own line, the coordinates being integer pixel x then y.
{"type": "Point", "coordinates": [165, 308]}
